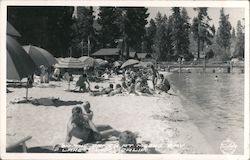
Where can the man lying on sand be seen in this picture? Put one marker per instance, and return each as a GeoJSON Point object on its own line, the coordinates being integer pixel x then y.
{"type": "Point", "coordinates": [103, 91]}
{"type": "Point", "coordinates": [80, 126]}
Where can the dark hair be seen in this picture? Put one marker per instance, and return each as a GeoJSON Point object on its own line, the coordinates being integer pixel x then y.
{"type": "Point", "coordinates": [76, 110]}
{"type": "Point", "coordinates": [77, 117]}
{"type": "Point", "coordinates": [161, 76]}
{"type": "Point", "coordinates": [133, 80]}
{"type": "Point", "coordinates": [84, 75]}
{"type": "Point", "coordinates": [96, 87]}
{"type": "Point", "coordinates": [118, 86]}
{"type": "Point", "coordinates": [127, 137]}
{"type": "Point", "coordinates": [111, 85]}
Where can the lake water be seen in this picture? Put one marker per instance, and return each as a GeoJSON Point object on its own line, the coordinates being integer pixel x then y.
{"type": "Point", "coordinates": [215, 106]}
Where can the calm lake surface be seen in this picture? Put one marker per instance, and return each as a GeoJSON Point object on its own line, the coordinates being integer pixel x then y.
{"type": "Point", "coordinates": [215, 106]}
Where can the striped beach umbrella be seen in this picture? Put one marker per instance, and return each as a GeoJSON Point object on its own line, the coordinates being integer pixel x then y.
{"type": "Point", "coordinates": [117, 64]}
{"type": "Point", "coordinates": [69, 62]}
{"type": "Point", "coordinates": [129, 62]}
{"type": "Point", "coordinates": [88, 61]}
{"type": "Point", "coordinates": [101, 62]}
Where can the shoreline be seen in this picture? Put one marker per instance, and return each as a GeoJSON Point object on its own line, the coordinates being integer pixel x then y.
{"type": "Point", "coordinates": [213, 135]}
{"type": "Point", "coordinates": [160, 119]}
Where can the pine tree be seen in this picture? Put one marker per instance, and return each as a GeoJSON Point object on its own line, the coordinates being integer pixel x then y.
{"type": "Point", "coordinates": [110, 31]}
{"type": "Point", "coordinates": [224, 31]}
{"type": "Point", "coordinates": [84, 33]}
{"type": "Point", "coordinates": [185, 35]}
{"type": "Point", "coordinates": [202, 31]}
{"type": "Point", "coordinates": [163, 47]}
{"type": "Point", "coordinates": [169, 48]}
{"type": "Point", "coordinates": [240, 40]}
{"type": "Point", "coordinates": [40, 26]}
{"type": "Point", "coordinates": [177, 31]}
{"type": "Point", "coordinates": [132, 23]}
{"type": "Point", "coordinates": [150, 34]}
{"type": "Point", "coordinates": [160, 31]}
{"type": "Point", "coordinates": [233, 36]}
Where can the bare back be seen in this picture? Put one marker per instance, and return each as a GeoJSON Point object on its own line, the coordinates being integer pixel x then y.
{"type": "Point", "coordinates": [75, 131]}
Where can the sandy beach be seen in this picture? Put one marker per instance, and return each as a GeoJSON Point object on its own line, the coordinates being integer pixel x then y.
{"type": "Point", "coordinates": [159, 119]}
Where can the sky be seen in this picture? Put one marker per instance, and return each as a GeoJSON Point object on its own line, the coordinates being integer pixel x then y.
{"type": "Point", "coordinates": [235, 14]}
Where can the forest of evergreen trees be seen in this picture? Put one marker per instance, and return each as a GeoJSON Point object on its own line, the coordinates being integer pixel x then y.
{"type": "Point", "coordinates": [165, 37]}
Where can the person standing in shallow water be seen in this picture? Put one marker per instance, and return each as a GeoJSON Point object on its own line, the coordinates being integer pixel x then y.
{"type": "Point", "coordinates": [155, 73]}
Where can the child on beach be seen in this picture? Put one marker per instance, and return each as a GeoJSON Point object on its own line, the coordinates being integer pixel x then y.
{"type": "Point", "coordinates": [154, 75]}
{"type": "Point", "coordinates": [81, 83]}
{"type": "Point", "coordinates": [88, 113]}
{"type": "Point", "coordinates": [131, 86]}
{"type": "Point", "coordinates": [118, 90]}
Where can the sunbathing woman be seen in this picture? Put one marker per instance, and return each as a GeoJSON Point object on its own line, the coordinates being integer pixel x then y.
{"type": "Point", "coordinates": [104, 91]}
{"type": "Point", "coordinates": [81, 127]}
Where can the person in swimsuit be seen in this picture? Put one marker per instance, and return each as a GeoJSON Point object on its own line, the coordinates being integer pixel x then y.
{"type": "Point", "coordinates": [162, 83]}
{"type": "Point", "coordinates": [80, 126]}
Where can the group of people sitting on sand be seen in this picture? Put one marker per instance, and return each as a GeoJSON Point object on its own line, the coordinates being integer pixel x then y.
{"type": "Point", "coordinates": [134, 81]}
{"type": "Point", "coordinates": [144, 81]}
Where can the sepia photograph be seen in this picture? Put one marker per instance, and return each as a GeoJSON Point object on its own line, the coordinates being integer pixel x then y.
{"type": "Point", "coordinates": [132, 80]}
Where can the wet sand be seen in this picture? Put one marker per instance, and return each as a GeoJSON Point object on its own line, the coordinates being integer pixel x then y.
{"type": "Point", "coordinates": [160, 119]}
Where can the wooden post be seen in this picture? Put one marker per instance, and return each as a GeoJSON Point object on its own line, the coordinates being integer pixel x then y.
{"type": "Point", "coordinates": [228, 69]}
{"type": "Point", "coordinates": [204, 64]}
{"type": "Point", "coordinates": [231, 65]}
{"type": "Point", "coordinates": [179, 60]}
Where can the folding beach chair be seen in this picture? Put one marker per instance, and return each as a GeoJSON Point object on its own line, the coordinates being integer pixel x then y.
{"type": "Point", "coordinates": [19, 146]}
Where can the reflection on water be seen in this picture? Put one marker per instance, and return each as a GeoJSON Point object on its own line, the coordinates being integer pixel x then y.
{"type": "Point", "coordinates": [215, 106]}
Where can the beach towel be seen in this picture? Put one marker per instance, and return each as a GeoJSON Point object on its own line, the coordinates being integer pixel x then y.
{"type": "Point", "coordinates": [150, 84]}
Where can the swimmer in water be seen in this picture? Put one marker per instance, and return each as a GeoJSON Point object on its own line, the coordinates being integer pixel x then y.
{"type": "Point", "coordinates": [216, 78]}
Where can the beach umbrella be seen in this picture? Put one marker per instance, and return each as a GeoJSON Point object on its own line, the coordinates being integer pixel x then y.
{"type": "Point", "coordinates": [11, 31]}
{"type": "Point", "coordinates": [129, 62]}
{"type": "Point", "coordinates": [69, 62]}
{"type": "Point", "coordinates": [144, 64]}
{"type": "Point", "coordinates": [40, 56]}
{"type": "Point", "coordinates": [88, 61]}
{"type": "Point", "coordinates": [117, 64]}
{"type": "Point", "coordinates": [101, 62]}
{"type": "Point", "coordinates": [19, 63]}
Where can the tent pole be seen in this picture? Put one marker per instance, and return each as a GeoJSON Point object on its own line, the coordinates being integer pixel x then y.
{"type": "Point", "coordinates": [69, 85]}
{"type": "Point", "coordinates": [27, 90]}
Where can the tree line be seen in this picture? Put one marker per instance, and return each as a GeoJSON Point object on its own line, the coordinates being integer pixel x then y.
{"type": "Point", "coordinates": [166, 38]}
